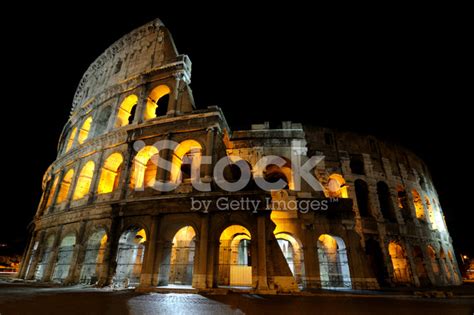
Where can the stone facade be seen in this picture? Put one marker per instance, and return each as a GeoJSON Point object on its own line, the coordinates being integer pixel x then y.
{"type": "Point", "coordinates": [101, 222]}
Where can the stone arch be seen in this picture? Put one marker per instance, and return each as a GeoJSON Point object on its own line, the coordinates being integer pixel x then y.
{"type": "Point", "coordinates": [235, 257]}
{"type": "Point", "coordinates": [273, 173]}
{"type": "Point", "coordinates": [418, 203]}
{"type": "Point", "coordinates": [65, 186]}
{"type": "Point", "coordinates": [45, 258]}
{"type": "Point", "coordinates": [144, 168]}
{"type": "Point", "coordinates": [333, 262]}
{"type": "Point", "coordinates": [70, 140]}
{"type": "Point", "coordinates": [385, 202]}
{"type": "Point", "coordinates": [130, 252]}
{"type": "Point", "coordinates": [292, 250]}
{"type": "Point", "coordinates": [433, 259]}
{"type": "Point", "coordinates": [376, 260]}
{"type": "Point", "coordinates": [402, 199]}
{"type": "Point", "coordinates": [154, 107]}
{"type": "Point", "coordinates": [126, 111]}
{"type": "Point", "coordinates": [110, 173]}
{"type": "Point", "coordinates": [421, 271]}
{"type": "Point", "coordinates": [84, 132]}
{"type": "Point", "coordinates": [178, 267]}
{"type": "Point", "coordinates": [84, 181]}
{"type": "Point", "coordinates": [337, 187]}
{"type": "Point", "coordinates": [64, 257]}
{"type": "Point", "coordinates": [52, 191]}
{"type": "Point", "coordinates": [431, 214]}
{"type": "Point", "coordinates": [401, 269]}
{"type": "Point", "coordinates": [93, 264]}
{"type": "Point", "coordinates": [187, 152]}
{"type": "Point", "coordinates": [362, 196]}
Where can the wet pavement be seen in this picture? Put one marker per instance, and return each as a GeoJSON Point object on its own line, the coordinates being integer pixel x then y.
{"type": "Point", "coordinates": [34, 299]}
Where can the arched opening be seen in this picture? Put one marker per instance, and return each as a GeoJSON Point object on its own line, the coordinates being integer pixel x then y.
{"type": "Point", "coordinates": [235, 260]}
{"type": "Point", "coordinates": [64, 258]}
{"type": "Point", "coordinates": [65, 185]}
{"type": "Point", "coordinates": [376, 261]}
{"type": "Point", "coordinates": [333, 263]}
{"type": "Point", "coordinates": [92, 266]}
{"type": "Point", "coordinates": [130, 257]}
{"type": "Point", "coordinates": [84, 131]}
{"type": "Point", "coordinates": [420, 210]}
{"type": "Point", "coordinates": [110, 175]}
{"type": "Point", "coordinates": [431, 214]}
{"type": "Point", "coordinates": [44, 261]}
{"type": "Point", "coordinates": [403, 202]}
{"type": "Point", "coordinates": [181, 262]}
{"type": "Point", "coordinates": [357, 164]}
{"type": "Point", "coordinates": [362, 196]}
{"type": "Point", "coordinates": [71, 138]}
{"type": "Point", "coordinates": [293, 254]}
{"type": "Point", "coordinates": [337, 187]}
{"type": "Point", "coordinates": [401, 273]}
{"type": "Point", "coordinates": [385, 202]}
{"type": "Point", "coordinates": [453, 268]}
{"type": "Point", "coordinates": [273, 173]}
{"type": "Point", "coordinates": [444, 265]}
{"type": "Point", "coordinates": [154, 104]}
{"type": "Point", "coordinates": [84, 181]}
{"type": "Point", "coordinates": [433, 259]}
{"type": "Point", "coordinates": [52, 190]}
{"type": "Point", "coordinates": [126, 112]}
{"type": "Point", "coordinates": [145, 168]}
{"type": "Point", "coordinates": [420, 266]}
{"type": "Point", "coordinates": [184, 155]}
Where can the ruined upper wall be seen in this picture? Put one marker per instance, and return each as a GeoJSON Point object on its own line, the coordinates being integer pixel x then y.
{"type": "Point", "coordinates": [140, 51]}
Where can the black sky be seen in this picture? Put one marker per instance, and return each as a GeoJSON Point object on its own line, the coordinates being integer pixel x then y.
{"type": "Point", "coordinates": [405, 77]}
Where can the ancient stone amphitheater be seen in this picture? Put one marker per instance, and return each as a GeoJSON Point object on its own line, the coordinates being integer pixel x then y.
{"type": "Point", "coordinates": [102, 221]}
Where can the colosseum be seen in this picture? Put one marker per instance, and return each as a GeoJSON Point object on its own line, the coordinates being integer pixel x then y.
{"type": "Point", "coordinates": [101, 221]}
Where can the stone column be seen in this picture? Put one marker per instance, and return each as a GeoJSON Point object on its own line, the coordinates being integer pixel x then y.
{"type": "Point", "coordinates": [148, 268]}
{"type": "Point", "coordinates": [201, 273]}
{"type": "Point", "coordinates": [95, 180]}
{"type": "Point", "coordinates": [164, 256]}
{"type": "Point", "coordinates": [411, 263]}
{"type": "Point", "coordinates": [262, 283]}
{"type": "Point", "coordinates": [27, 256]}
{"type": "Point", "coordinates": [312, 278]}
{"type": "Point", "coordinates": [77, 258]}
{"type": "Point", "coordinates": [126, 169]}
{"type": "Point", "coordinates": [56, 192]}
{"type": "Point", "coordinates": [110, 253]}
{"type": "Point", "coordinates": [141, 105]}
{"type": "Point", "coordinates": [173, 101]}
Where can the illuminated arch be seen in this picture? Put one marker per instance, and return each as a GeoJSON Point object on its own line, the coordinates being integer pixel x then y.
{"type": "Point", "coordinates": [65, 186]}
{"type": "Point", "coordinates": [333, 262]}
{"type": "Point", "coordinates": [235, 264]}
{"type": "Point", "coordinates": [130, 252]}
{"type": "Point", "coordinates": [145, 168]}
{"type": "Point", "coordinates": [110, 174]}
{"type": "Point", "coordinates": [70, 141]}
{"type": "Point", "coordinates": [52, 191]}
{"type": "Point", "coordinates": [397, 254]}
{"type": "Point", "coordinates": [431, 214]}
{"type": "Point", "coordinates": [337, 186]}
{"type": "Point", "coordinates": [85, 129]}
{"type": "Point", "coordinates": [152, 102]}
{"type": "Point", "coordinates": [182, 256]}
{"type": "Point", "coordinates": [94, 257]}
{"type": "Point", "coordinates": [126, 111]}
{"type": "Point", "coordinates": [184, 155]}
{"type": "Point", "coordinates": [418, 203]}
{"type": "Point", "coordinates": [84, 181]}
{"type": "Point", "coordinates": [433, 259]}
{"type": "Point", "coordinates": [64, 258]}
{"type": "Point", "coordinates": [293, 253]}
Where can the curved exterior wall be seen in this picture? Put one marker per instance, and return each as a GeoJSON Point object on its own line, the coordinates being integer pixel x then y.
{"type": "Point", "coordinates": [383, 225]}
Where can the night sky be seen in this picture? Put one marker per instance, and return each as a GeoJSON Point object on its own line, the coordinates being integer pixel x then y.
{"type": "Point", "coordinates": [400, 77]}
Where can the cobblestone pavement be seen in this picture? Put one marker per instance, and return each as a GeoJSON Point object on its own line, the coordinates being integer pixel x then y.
{"type": "Point", "coordinates": [32, 299]}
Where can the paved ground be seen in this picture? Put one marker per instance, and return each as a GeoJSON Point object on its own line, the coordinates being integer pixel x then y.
{"type": "Point", "coordinates": [33, 299]}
